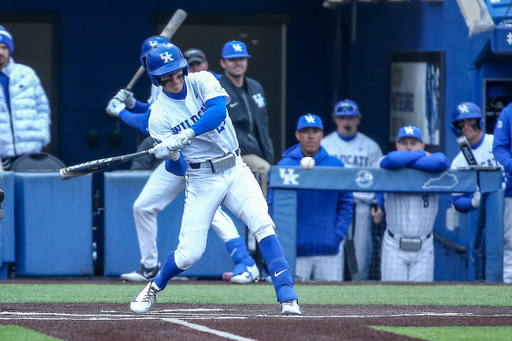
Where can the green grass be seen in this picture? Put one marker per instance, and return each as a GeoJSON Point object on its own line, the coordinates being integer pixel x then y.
{"type": "Point", "coordinates": [452, 333]}
{"type": "Point", "coordinates": [15, 333]}
{"type": "Point", "coordinates": [450, 295]}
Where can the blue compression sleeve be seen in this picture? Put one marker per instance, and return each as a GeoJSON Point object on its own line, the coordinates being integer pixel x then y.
{"type": "Point", "coordinates": [140, 107]}
{"type": "Point", "coordinates": [214, 115]}
{"type": "Point", "coordinates": [462, 203]}
{"type": "Point", "coordinates": [178, 167]}
{"type": "Point", "coordinates": [503, 139]}
{"type": "Point", "coordinates": [137, 121]}
{"type": "Point", "coordinates": [436, 162]}
{"type": "Point", "coordinates": [401, 158]}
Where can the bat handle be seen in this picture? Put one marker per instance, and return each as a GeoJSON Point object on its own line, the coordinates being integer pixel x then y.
{"type": "Point", "coordinates": [135, 78]}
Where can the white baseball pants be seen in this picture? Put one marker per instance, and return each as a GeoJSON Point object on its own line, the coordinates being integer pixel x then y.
{"type": "Point", "coordinates": [406, 266]}
{"type": "Point", "coordinates": [322, 268]}
{"type": "Point", "coordinates": [237, 189]}
{"type": "Point", "coordinates": [160, 190]}
{"type": "Point", "coordinates": [507, 249]}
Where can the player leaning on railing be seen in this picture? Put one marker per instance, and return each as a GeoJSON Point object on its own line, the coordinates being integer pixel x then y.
{"type": "Point", "coordinates": [408, 244]}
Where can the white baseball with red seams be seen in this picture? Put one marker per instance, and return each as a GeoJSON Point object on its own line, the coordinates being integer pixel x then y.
{"type": "Point", "coordinates": [307, 163]}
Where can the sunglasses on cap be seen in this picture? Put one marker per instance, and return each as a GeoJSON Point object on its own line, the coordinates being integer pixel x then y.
{"type": "Point", "coordinates": [348, 108]}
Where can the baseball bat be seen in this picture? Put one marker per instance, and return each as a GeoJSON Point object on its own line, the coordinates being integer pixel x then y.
{"type": "Point", "coordinates": [172, 26]}
{"type": "Point", "coordinates": [465, 147]}
{"type": "Point", "coordinates": [93, 166]}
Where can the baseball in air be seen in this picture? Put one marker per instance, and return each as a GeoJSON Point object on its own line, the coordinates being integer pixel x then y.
{"type": "Point", "coordinates": [307, 163]}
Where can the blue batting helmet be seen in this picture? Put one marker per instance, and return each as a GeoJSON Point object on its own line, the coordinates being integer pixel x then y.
{"type": "Point", "coordinates": [148, 44]}
{"type": "Point", "coordinates": [463, 111]}
{"type": "Point", "coordinates": [346, 108]}
{"type": "Point", "coordinates": [164, 59]}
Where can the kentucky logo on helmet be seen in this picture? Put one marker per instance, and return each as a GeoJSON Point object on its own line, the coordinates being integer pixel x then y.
{"type": "Point", "coordinates": [153, 43]}
{"type": "Point", "coordinates": [166, 57]}
{"type": "Point", "coordinates": [463, 108]}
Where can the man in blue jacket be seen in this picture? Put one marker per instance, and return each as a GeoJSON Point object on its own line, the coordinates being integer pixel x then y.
{"type": "Point", "coordinates": [323, 217]}
{"type": "Point", "coordinates": [502, 150]}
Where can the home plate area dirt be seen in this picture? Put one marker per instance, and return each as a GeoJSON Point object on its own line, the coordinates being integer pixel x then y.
{"type": "Point", "coordinates": [194, 322]}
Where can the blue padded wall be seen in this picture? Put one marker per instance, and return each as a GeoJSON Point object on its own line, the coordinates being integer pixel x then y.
{"type": "Point", "coordinates": [122, 253]}
{"type": "Point", "coordinates": [7, 239]}
{"type": "Point", "coordinates": [53, 225]}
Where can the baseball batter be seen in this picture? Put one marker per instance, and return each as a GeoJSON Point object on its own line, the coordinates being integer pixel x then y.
{"type": "Point", "coordinates": [355, 149]}
{"type": "Point", "coordinates": [408, 244]}
{"type": "Point", "coordinates": [162, 188]}
{"type": "Point", "coordinates": [198, 140]}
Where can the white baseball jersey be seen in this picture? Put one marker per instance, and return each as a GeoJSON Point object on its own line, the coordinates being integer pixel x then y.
{"type": "Point", "coordinates": [361, 151]}
{"type": "Point", "coordinates": [411, 215]}
{"type": "Point", "coordinates": [483, 155]}
{"type": "Point", "coordinates": [170, 116]}
{"type": "Point", "coordinates": [155, 91]}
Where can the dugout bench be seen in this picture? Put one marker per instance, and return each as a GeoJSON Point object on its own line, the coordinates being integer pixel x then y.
{"type": "Point", "coordinates": [285, 181]}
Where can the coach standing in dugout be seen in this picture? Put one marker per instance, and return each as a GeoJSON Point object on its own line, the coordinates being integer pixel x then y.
{"type": "Point", "coordinates": [355, 149]}
{"type": "Point", "coordinates": [24, 109]}
{"type": "Point", "coordinates": [197, 61]}
{"type": "Point", "coordinates": [323, 217]}
{"type": "Point", "coordinates": [248, 110]}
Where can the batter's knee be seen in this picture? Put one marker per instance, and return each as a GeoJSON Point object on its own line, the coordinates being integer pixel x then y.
{"type": "Point", "coordinates": [186, 260]}
{"type": "Point", "coordinates": [141, 208]}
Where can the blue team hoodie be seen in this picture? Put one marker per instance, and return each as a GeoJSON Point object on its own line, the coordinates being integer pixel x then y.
{"type": "Point", "coordinates": [502, 147]}
{"type": "Point", "coordinates": [323, 217]}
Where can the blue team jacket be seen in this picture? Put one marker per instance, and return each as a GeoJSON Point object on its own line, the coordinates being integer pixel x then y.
{"type": "Point", "coordinates": [323, 217]}
{"type": "Point", "coordinates": [502, 147]}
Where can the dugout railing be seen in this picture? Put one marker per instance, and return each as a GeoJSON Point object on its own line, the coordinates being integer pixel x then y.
{"type": "Point", "coordinates": [285, 181]}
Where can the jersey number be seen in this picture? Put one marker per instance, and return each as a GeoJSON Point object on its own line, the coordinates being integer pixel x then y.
{"type": "Point", "coordinates": [425, 200]}
{"type": "Point", "coordinates": [221, 127]}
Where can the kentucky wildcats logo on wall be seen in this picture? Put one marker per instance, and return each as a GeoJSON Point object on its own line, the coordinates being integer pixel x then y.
{"type": "Point", "coordinates": [289, 177]}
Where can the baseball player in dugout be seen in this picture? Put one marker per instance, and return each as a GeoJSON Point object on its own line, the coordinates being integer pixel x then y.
{"type": "Point", "coordinates": [408, 243]}
{"type": "Point", "coordinates": [467, 120]}
{"type": "Point", "coordinates": [163, 187]}
{"type": "Point", "coordinates": [248, 110]}
{"type": "Point", "coordinates": [197, 61]}
{"type": "Point", "coordinates": [355, 149]}
{"type": "Point", "coordinates": [502, 149]}
{"type": "Point", "coordinates": [24, 109]}
{"type": "Point", "coordinates": [323, 217]}
{"type": "Point", "coordinates": [197, 139]}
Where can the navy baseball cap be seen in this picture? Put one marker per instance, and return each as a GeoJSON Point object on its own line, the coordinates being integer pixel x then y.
{"type": "Point", "coordinates": [310, 121]}
{"type": "Point", "coordinates": [235, 49]}
{"type": "Point", "coordinates": [194, 55]}
{"type": "Point", "coordinates": [6, 38]}
{"type": "Point", "coordinates": [409, 131]}
{"type": "Point", "coordinates": [346, 108]}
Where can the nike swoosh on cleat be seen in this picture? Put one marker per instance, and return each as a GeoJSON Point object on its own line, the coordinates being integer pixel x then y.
{"type": "Point", "coordinates": [232, 105]}
{"type": "Point", "coordinates": [276, 274]}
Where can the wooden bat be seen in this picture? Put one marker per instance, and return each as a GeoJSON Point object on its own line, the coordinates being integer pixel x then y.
{"type": "Point", "coordinates": [93, 166]}
{"type": "Point", "coordinates": [172, 26]}
{"type": "Point", "coordinates": [465, 147]}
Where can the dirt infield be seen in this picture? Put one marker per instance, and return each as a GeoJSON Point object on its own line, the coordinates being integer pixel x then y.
{"type": "Point", "coordinates": [80, 322]}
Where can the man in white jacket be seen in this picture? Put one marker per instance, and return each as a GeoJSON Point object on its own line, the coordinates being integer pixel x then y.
{"type": "Point", "coordinates": [24, 109]}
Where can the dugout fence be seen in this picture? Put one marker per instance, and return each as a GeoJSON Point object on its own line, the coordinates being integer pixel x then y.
{"type": "Point", "coordinates": [467, 247]}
